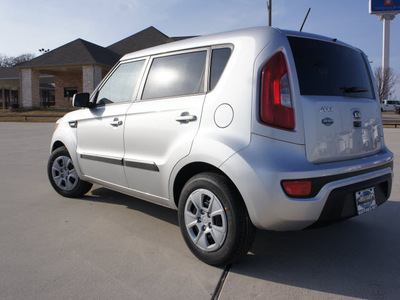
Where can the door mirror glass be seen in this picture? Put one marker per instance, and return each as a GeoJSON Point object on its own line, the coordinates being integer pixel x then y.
{"type": "Point", "coordinates": [81, 100]}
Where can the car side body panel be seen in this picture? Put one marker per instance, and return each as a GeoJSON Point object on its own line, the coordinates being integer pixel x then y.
{"type": "Point", "coordinates": [154, 139]}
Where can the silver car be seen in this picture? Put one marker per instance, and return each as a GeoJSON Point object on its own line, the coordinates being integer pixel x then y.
{"type": "Point", "coordinates": [255, 128]}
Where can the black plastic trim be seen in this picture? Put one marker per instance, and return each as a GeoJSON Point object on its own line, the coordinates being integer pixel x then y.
{"type": "Point", "coordinates": [319, 182]}
{"type": "Point", "coordinates": [113, 161]}
{"type": "Point", "coordinates": [150, 166]}
{"type": "Point", "coordinates": [341, 203]}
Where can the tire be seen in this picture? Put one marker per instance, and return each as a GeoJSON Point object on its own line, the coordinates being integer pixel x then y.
{"type": "Point", "coordinates": [63, 176]}
{"type": "Point", "coordinates": [213, 219]}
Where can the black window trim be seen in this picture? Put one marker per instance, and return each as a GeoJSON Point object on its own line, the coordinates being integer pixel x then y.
{"type": "Point", "coordinates": [207, 74]}
{"type": "Point", "coordinates": [138, 93]}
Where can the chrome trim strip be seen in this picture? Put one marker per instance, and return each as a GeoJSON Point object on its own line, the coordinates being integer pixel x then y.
{"type": "Point", "coordinates": [150, 166]}
{"type": "Point", "coordinates": [108, 160]}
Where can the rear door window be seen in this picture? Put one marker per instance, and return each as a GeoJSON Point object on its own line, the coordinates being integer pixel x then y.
{"type": "Point", "coordinates": [330, 69]}
{"type": "Point", "coordinates": [176, 75]}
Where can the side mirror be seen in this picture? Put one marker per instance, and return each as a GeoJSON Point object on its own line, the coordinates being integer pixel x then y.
{"type": "Point", "coordinates": [81, 100]}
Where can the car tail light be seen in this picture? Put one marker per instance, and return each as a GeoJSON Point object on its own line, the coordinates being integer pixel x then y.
{"type": "Point", "coordinates": [276, 101]}
{"type": "Point", "coordinates": [297, 188]}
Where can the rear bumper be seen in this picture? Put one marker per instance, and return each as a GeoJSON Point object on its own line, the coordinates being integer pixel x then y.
{"type": "Point", "coordinates": [259, 170]}
{"type": "Point", "coordinates": [341, 203]}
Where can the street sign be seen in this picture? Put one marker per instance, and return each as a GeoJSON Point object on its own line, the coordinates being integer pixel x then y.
{"type": "Point", "coordinates": [384, 6]}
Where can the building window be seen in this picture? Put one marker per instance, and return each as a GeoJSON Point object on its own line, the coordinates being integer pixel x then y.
{"type": "Point", "coordinates": [48, 98]}
{"type": "Point", "coordinates": [69, 92]}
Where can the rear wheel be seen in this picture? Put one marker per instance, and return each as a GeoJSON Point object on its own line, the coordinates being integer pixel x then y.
{"type": "Point", "coordinates": [213, 219]}
{"type": "Point", "coordinates": [63, 176]}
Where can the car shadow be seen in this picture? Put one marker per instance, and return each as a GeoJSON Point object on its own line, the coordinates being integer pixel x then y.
{"type": "Point", "coordinates": [356, 258]}
{"type": "Point", "coordinates": [104, 195]}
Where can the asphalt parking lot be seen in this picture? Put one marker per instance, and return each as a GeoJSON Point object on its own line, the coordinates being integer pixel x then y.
{"type": "Point", "coordinates": [110, 246]}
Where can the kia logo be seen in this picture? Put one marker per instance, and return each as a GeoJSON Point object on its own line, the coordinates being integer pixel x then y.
{"type": "Point", "coordinates": [356, 115]}
{"type": "Point", "coordinates": [327, 121]}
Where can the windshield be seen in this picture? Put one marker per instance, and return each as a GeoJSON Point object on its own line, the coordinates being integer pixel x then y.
{"type": "Point", "coordinates": [330, 69]}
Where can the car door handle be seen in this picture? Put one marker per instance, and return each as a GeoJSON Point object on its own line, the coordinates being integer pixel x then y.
{"type": "Point", "coordinates": [185, 117]}
{"type": "Point", "coordinates": [116, 122]}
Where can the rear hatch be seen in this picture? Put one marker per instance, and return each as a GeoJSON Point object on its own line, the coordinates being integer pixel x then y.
{"type": "Point", "coordinates": [342, 119]}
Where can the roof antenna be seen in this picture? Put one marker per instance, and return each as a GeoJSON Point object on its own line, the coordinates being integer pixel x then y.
{"type": "Point", "coordinates": [305, 19]}
{"type": "Point", "coordinates": [269, 6]}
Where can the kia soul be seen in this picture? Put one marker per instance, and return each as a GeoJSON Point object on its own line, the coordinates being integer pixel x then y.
{"type": "Point", "coordinates": [256, 128]}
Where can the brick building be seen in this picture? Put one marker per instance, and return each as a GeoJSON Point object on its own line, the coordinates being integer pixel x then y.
{"type": "Point", "coordinates": [52, 78]}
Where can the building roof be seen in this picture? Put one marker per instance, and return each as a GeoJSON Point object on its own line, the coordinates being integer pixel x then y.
{"type": "Point", "coordinates": [77, 52]}
{"type": "Point", "coordinates": [146, 38]}
{"type": "Point", "coordinates": [81, 52]}
{"type": "Point", "coordinates": [9, 73]}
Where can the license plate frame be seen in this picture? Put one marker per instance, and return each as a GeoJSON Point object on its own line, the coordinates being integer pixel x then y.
{"type": "Point", "coordinates": [365, 200]}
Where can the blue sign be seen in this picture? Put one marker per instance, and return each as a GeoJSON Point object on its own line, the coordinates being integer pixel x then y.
{"type": "Point", "coordinates": [384, 6]}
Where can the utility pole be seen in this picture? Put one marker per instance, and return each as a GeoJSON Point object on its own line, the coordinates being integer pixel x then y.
{"type": "Point", "coordinates": [269, 4]}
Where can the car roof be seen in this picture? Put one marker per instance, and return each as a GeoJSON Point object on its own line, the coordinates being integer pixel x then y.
{"type": "Point", "coordinates": [206, 40]}
{"type": "Point", "coordinates": [257, 34]}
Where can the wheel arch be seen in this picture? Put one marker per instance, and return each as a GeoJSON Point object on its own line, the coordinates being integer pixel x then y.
{"type": "Point", "coordinates": [192, 169]}
{"type": "Point", "coordinates": [236, 241]}
{"type": "Point", "coordinates": [56, 145]}
{"type": "Point", "coordinates": [67, 140]}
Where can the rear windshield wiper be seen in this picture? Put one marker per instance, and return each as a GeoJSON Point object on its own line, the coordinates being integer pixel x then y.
{"type": "Point", "coordinates": [353, 89]}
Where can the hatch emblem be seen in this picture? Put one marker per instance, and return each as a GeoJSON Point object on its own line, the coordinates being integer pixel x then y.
{"type": "Point", "coordinates": [327, 121]}
{"type": "Point", "coordinates": [325, 109]}
{"type": "Point", "coordinates": [356, 115]}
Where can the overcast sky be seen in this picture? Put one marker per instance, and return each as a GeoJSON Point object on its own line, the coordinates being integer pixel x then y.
{"type": "Point", "coordinates": [26, 25]}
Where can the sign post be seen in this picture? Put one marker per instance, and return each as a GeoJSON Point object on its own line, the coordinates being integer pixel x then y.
{"type": "Point", "coordinates": [386, 10]}
{"type": "Point", "coordinates": [386, 18]}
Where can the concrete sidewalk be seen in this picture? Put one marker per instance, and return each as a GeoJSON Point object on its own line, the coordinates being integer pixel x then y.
{"type": "Point", "coordinates": [111, 246]}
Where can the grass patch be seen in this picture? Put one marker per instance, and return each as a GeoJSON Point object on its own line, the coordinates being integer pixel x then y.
{"type": "Point", "coordinates": [40, 115]}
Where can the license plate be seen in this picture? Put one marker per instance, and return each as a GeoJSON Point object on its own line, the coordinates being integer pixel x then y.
{"type": "Point", "coordinates": [365, 200]}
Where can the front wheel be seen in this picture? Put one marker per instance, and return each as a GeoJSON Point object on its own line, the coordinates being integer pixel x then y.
{"type": "Point", "coordinates": [213, 219]}
{"type": "Point", "coordinates": [63, 176]}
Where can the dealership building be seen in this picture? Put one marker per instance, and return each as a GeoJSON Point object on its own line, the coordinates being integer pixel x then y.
{"type": "Point", "coordinates": [51, 79]}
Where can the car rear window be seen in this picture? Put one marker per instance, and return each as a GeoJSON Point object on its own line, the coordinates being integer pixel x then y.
{"type": "Point", "coordinates": [330, 69]}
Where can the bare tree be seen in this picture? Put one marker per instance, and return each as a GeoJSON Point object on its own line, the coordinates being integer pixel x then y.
{"type": "Point", "coordinates": [10, 61]}
{"type": "Point", "coordinates": [385, 82]}
{"type": "Point", "coordinates": [5, 61]}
